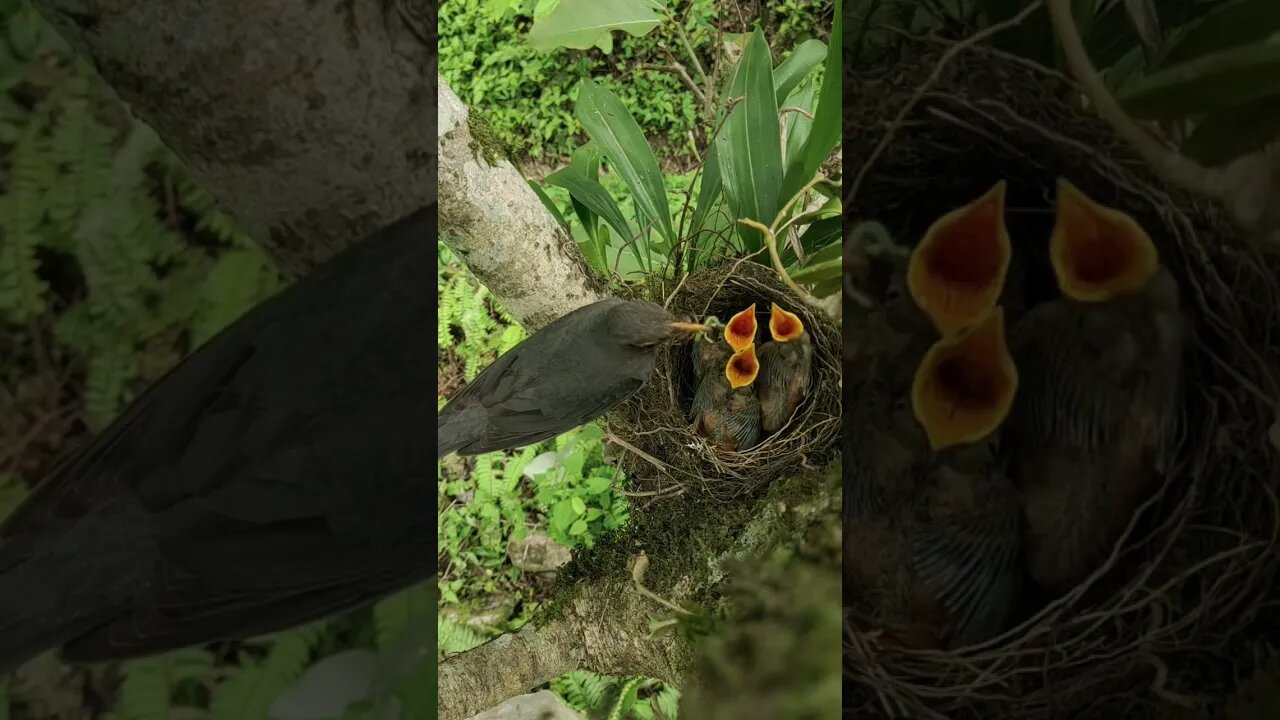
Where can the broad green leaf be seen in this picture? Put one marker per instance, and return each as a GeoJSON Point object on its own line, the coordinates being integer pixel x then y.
{"type": "Point", "coordinates": [798, 64]}
{"type": "Point", "coordinates": [1231, 24]}
{"type": "Point", "coordinates": [1221, 81]}
{"type": "Point", "coordinates": [591, 194]}
{"type": "Point", "coordinates": [827, 118]}
{"type": "Point", "coordinates": [1223, 136]}
{"type": "Point", "coordinates": [580, 24]}
{"type": "Point", "coordinates": [562, 515]}
{"type": "Point", "coordinates": [612, 128]}
{"type": "Point", "coordinates": [548, 203]}
{"type": "Point", "coordinates": [748, 146]}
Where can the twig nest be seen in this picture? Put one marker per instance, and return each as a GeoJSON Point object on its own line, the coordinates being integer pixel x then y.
{"type": "Point", "coordinates": [1201, 556]}
{"type": "Point", "coordinates": [658, 445]}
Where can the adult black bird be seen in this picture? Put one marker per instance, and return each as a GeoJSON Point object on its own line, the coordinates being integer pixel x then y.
{"type": "Point", "coordinates": [276, 476]}
{"type": "Point", "coordinates": [567, 374]}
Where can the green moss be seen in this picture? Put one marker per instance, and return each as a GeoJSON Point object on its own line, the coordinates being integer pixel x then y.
{"type": "Point", "coordinates": [485, 143]}
{"type": "Point", "coordinates": [779, 654]}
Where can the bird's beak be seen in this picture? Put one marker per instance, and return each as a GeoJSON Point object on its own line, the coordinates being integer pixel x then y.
{"type": "Point", "coordinates": [1098, 252]}
{"type": "Point", "coordinates": [742, 368]}
{"type": "Point", "coordinates": [957, 272]}
{"type": "Point", "coordinates": [693, 328]}
{"type": "Point", "coordinates": [741, 329]}
{"type": "Point", "coordinates": [965, 384]}
{"type": "Point", "coordinates": [784, 326]}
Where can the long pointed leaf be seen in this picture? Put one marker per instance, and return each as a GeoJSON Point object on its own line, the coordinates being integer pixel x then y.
{"type": "Point", "coordinates": [548, 203]}
{"type": "Point", "coordinates": [825, 133]}
{"type": "Point", "coordinates": [708, 191]}
{"type": "Point", "coordinates": [795, 125]}
{"type": "Point", "coordinates": [1220, 81]}
{"type": "Point", "coordinates": [587, 159]}
{"type": "Point", "coordinates": [798, 64]}
{"type": "Point", "coordinates": [592, 194]}
{"type": "Point", "coordinates": [616, 132]}
{"type": "Point", "coordinates": [1230, 24]}
{"type": "Point", "coordinates": [748, 146]}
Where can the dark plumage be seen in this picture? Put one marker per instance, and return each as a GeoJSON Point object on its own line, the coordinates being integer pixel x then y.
{"type": "Point", "coordinates": [725, 409]}
{"type": "Point", "coordinates": [567, 374]}
{"type": "Point", "coordinates": [786, 366]}
{"type": "Point", "coordinates": [1093, 424]}
{"type": "Point", "coordinates": [276, 476]}
{"type": "Point", "coordinates": [931, 540]}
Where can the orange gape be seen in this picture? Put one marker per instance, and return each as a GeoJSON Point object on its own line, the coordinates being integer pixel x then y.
{"type": "Point", "coordinates": [965, 384]}
{"type": "Point", "coordinates": [957, 272]}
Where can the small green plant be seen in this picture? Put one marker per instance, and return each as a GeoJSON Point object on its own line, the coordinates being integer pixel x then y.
{"type": "Point", "coordinates": [773, 129]}
{"type": "Point", "coordinates": [578, 493]}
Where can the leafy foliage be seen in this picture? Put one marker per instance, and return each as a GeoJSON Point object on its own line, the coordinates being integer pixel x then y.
{"type": "Point", "coordinates": [527, 95]}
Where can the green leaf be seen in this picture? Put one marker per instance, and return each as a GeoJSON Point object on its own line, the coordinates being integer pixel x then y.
{"type": "Point", "coordinates": [818, 271]}
{"type": "Point", "coordinates": [610, 125]}
{"type": "Point", "coordinates": [586, 158]}
{"type": "Point", "coordinates": [1231, 24]}
{"type": "Point", "coordinates": [708, 191]}
{"type": "Point", "coordinates": [798, 64]}
{"type": "Point", "coordinates": [592, 195]}
{"type": "Point", "coordinates": [597, 485]}
{"type": "Point", "coordinates": [748, 146]}
{"type": "Point", "coordinates": [1221, 81]}
{"type": "Point", "coordinates": [1112, 35]}
{"type": "Point", "coordinates": [795, 125]}
{"type": "Point", "coordinates": [579, 507]}
{"type": "Point", "coordinates": [562, 515]}
{"type": "Point", "coordinates": [827, 119]}
{"type": "Point", "coordinates": [581, 24]}
{"type": "Point", "coordinates": [1223, 136]}
{"type": "Point", "coordinates": [548, 203]}
{"type": "Point", "coordinates": [820, 234]}
{"type": "Point", "coordinates": [578, 527]}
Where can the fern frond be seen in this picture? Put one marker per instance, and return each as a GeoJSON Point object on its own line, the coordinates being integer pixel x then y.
{"type": "Point", "coordinates": [453, 638]}
{"type": "Point", "coordinates": [109, 372]}
{"type": "Point", "coordinates": [248, 692]}
{"type": "Point", "coordinates": [394, 614]}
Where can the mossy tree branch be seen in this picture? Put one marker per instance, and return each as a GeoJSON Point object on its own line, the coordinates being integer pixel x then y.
{"type": "Point", "coordinates": [309, 122]}
{"type": "Point", "coordinates": [493, 220]}
{"type": "Point", "coordinates": [601, 621]}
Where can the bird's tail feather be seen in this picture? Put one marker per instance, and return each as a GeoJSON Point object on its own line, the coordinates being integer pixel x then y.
{"type": "Point", "coordinates": [54, 587]}
{"type": "Point", "coordinates": [457, 429]}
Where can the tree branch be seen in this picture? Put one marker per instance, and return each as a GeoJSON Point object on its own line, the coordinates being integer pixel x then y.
{"type": "Point", "coordinates": [309, 122]}
{"type": "Point", "coordinates": [602, 623]}
{"type": "Point", "coordinates": [493, 220]}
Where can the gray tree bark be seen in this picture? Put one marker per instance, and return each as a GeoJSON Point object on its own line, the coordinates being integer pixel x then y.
{"type": "Point", "coordinates": [308, 121]}
{"type": "Point", "coordinates": [491, 218]}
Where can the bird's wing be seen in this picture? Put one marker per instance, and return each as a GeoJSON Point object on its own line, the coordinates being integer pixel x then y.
{"type": "Point", "coordinates": [236, 462]}
{"type": "Point", "coordinates": [1059, 399]}
{"type": "Point", "coordinates": [532, 416]}
{"type": "Point", "coordinates": [972, 565]}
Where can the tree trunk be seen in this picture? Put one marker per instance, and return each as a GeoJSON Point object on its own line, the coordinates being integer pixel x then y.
{"type": "Point", "coordinates": [308, 121]}
{"type": "Point", "coordinates": [496, 224]}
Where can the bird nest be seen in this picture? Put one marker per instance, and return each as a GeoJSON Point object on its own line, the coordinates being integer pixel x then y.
{"type": "Point", "coordinates": [1167, 621]}
{"type": "Point", "coordinates": [660, 450]}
